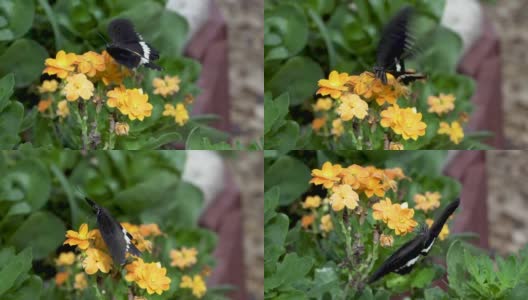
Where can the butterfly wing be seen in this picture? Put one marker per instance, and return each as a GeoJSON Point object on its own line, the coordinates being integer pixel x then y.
{"type": "Point", "coordinates": [124, 56]}
{"type": "Point", "coordinates": [401, 261]}
{"type": "Point", "coordinates": [438, 224]}
{"type": "Point", "coordinates": [122, 31]}
{"type": "Point", "coordinates": [395, 39]}
{"type": "Point", "coordinates": [112, 235]}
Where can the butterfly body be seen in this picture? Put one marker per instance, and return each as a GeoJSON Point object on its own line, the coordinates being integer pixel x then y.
{"type": "Point", "coordinates": [128, 47]}
{"type": "Point", "coordinates": [403, 260]}
{"type": "Point", "coordinates": [116, 238]}
{"type": "Point", "coordinates": [394, 46]}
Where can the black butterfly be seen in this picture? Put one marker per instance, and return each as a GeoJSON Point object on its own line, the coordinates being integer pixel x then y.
{"type": "Point", "coordinates": [116, 238]}
{"type": "Point", "coordinates": [402, 261]}
{"type": "Point", "coordinates": [128, 47]}
{"type": "Point", "coordinates": [394, 46]}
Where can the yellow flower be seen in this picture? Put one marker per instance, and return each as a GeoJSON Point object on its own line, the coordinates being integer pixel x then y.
{"type": "Point", "coordinates": [61, 278]}
{"type": "Point", "coordinates": [343, 195]}
{"type": "Point", "coordinates": [183, 258]}
{"type": "Point", "coordinates": [149, 229]}
{"type": "Point", "coordinates": [367, 86]}
{"type": "Point", "coordinates": [326, 223]}
{"type": "Point", "coordinates": [121, 128]}
{"type": "Point", "coordinates": [394, 173]}
{"type": "Point", "coordinates": [48, 86]}
{"type": "Point", "coordinates": [62, 109]}
{"type": "Point", "coordinates": [43, 105]}
{"type": "Point", "coordinates": [311, 202]}
{"type": "Point", "coordinates": [149, 276]}
{"type": "Point", "coordinates": [323, 104]}
{"type": "Point", "coordinates": [401, 220]}
{"type": "Point", "coordinates": [65, 259]}
{"type": "Point", "coordinates": [318, 123]}
{"type": "Point", "coordinates": [61, 65]}
{"type": "Point", "coordinates": [131, 102]}
{"type": "Point", "coordinates": [80, 282]}
{"type": "Point", "coordinates": [166, 86]}
{"type": "Point", "coordinates": [353, 175]}
{"type": "Point", "coordinates": [429, 201]}
{"type": "Point", "coordinates": [441, 104]}
{"type": "Point", "coordinates": [386, 240]}
{"type": "Point", "coordinates": [404, 121]}
{"type": "Point", "coordinates": [180, 114]}
{"type": "Point", "coordinates": [78, 86]}
{"type": "Point", "coordinates": [141, 243]}
{"type": "Point", "coordinates": [382, 210]}
{"type": "Point", "coordinates": [395, 146]}
{"type": "Point", "coordinates": [195, 283]}
{"type": "Point", "coordinates": [443, 233]}
{"type": "Point", "coordinates": [96, 260]}
{"type": "Point", "coordinates": [454, 131]}
{"type": "Point", "coordinates": [352, 106]}
{"type": "Point", "coordinates": [113, 72]}
{"type": "Point", "coordinates": [327, 176]}
{"type": "Point", "coordinates": [337, 127]}
{"type": "Point", "coordinates": [80, 239]}
{"type": "Point", "coordinates": [307, 220]}
{"type": "Point", "coordinates": [90, 63]}
{"type": "Point", "coordinates": [98, 241]}
{"type": "Point", "coordinates": [334, 86]}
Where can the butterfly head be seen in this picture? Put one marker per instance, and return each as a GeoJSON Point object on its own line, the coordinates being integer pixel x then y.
{"type": "Point", "coordinates": [96, 208]}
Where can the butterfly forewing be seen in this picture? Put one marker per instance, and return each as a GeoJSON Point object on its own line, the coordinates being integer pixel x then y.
{"type": "Point", "coordinates": [124, 56]}
{"type": "Point", "coordinates": [395, 39]}
{"type": "Point", "coordinates": [112, 235]}
{"type": "Point", "coordinates": [122, 31]}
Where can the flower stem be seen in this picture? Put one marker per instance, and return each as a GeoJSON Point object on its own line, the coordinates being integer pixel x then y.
{"type": "Point", "coordinates": [348, 237]}
{"type": "Point", "coordinates": [84, 125]}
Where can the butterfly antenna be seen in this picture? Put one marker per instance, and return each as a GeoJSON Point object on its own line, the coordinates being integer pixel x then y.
{"type": "Point", "coordinates": [102, 37]}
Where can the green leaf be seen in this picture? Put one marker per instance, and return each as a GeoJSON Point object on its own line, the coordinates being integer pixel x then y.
{"type": "Point", "coordinates": [293, 268]}
{"type": "Point", "coordinates": [435, 293]}
{"type": "Point", "coordinates": [42, 231]}
{"type": "Point", "coordinates": [19, 17]}
{"type": "Point", "coordinates": [25, 58]}
{"type": "Point", "coordinates": [6, 89]}
{"type": "Point", "coordinates": [284, 139]}
{"type": "Point", "coordinates": [202, 137]}
{"type": "Point", "coordinates": [16, 266]}
{"type": "Point", "coordinates": [289, 25]}
{"type": "Point", "coordinates": [290, 175]}
{"type": "Point", "coordinates": [30, 289]}
{"type": "Point", "coordinates": [423, 278]}
{"type": "Point", "coordinates": [271, 200]}
{"type": "Point", "coordinates": [10, 120]}
{"type": "Point", "coordinates": [298, 77]}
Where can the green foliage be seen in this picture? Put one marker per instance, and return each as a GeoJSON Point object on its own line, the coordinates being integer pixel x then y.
{"type": "Point", "coordinates": [42, 195]}
{"type": "Point", "coordinates": [304, 40]}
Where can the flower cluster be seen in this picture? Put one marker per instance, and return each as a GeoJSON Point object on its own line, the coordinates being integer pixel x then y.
{"type": "Point", "coordinates": [356, 104]}
{"type": "Point", "coordinates": [96, 79]}
{"type": "Point", "coordinates": [363, 190]}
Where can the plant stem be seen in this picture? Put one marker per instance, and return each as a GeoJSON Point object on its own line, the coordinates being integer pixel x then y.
{"type": "Point", "coordinates": [348, 237]}
{"type": "Point", "coordinates": [84, 126]}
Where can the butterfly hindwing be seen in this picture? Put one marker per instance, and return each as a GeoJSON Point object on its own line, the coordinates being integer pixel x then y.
{"type": "Point", "coordinates": [124, 56]}
{"type": "Point", "coordinates": [395, 39]}
{"type": "Point", "coordinates": [116, 238]}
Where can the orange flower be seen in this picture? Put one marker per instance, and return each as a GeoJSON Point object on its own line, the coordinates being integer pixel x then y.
{"type": "Point", "coordinates": [323, 104]}
{"type": "Point", "coordinates": [80, 239]}
{"type": "Point", "coordinates": [454, 131]}
{"type": "Point", "coordinates": [183, 258]}
{"type": "Point", "coordinates": [166, 86]}
{"type": "Point", "coordinates": [404, 121]}
{"type": "Point", "coordinates": [62, 109]}
{"type": "Point", "coordinates": [131, 102]}
{"type": "Point", "coordinates": [90, 63]}
{"type": "Point", "coordinates": [48, 86]}
{"type": "Point", "coordinates": [318, 123]}
{"type": "Point", "coordinates": [373, 186]}
{"type": "Point", "coordinates": [311, 202]}
{"type": "Point", "coordinates": [44, 104]}
{"type": "Point", "coordinates": [78, 86]}
{"type": "Point", "coordinates": [113, 72]}
{"type": "Point", "coordinates": [65, 259]}
{"type": "Point", "coordinates": [180, 114]}
{"type": "Point", "coordinates": [352, 106]}
{"type": "Point", "coordinates": [386, 240]}
{"type": "Point", "coordinates": [307, 220]}
{"type": "Point", "coordinates": [441, 104]}
{"type": "Point", "coordinates": [196, 284]}
{"type": "Point", "coordinates": [395, 146]}
{"type": "Point", "coordinates": [117, 96]}
{"type": "Point", "coordinates": [394, 173]}
{"type": "Point", "coordinates": [149, 229]}
{"type": "Point", "coordinates": [121, 128]}
{"type": "Point", "coordinates": [343, 195]}
{"type": "Point", "coordinates": [61, 277]}
{"type": "Point", "coordinates": [96, 260]}
{"type": "Point", "coordinates": [382, 210]}
{"type": "Point", "coordinates": [326, 223]}
{"type": "Point", "coordinates": [327, 176]}
{"type": "Point", "coordinates": [401, 220]}
{"type": "Point", "coordinates": [334, 86]}
{"type": "Point", "coordinates": [429, 201]}
{"type": "Point", "coordinates": [337, 127]}
{"type": "Point", "coordinates": [61, 65]}
{"type": "Point", "coordinates": [353, 175]}
{"type": "Point", "coordinates": [80, 281]}
{"type": "Point", "coordinates": [149, 276]}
